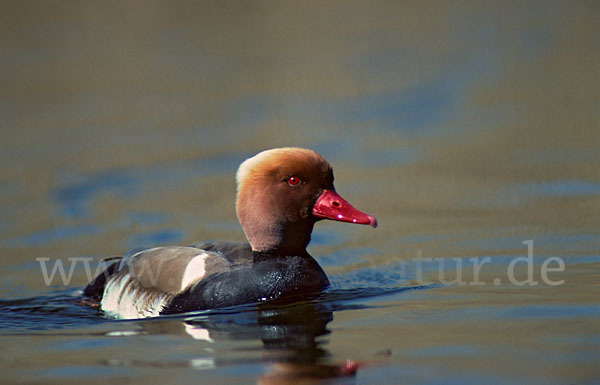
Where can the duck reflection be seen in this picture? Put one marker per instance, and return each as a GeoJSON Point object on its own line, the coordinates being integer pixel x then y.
{"type": "Point", "coordinates": [290, 336]}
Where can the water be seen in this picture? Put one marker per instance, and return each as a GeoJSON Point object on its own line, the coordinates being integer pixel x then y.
{"type": "Point", "coordinates": [470, 130]}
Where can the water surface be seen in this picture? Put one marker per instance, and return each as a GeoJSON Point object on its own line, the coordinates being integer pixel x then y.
{"type": "Point", "coordinates": [469, 129]}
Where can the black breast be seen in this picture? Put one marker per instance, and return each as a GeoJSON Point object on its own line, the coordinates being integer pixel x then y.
{"type": "Point", "coordinates": [285, 278]}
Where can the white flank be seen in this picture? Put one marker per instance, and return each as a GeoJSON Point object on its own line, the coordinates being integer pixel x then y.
{"type": "Point", "coordinates": [195, 270]}
{"type": "Point", "coordinates": [123, 300]}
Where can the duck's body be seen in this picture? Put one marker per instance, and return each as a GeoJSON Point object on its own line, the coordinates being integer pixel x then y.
{"type": "Point", "coordinates": [281, 194]}
{"type": "Point", "coordinates": [175, 279]}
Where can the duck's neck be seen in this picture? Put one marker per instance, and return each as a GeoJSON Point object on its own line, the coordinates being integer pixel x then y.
{"type": "Point", "coordinates": [277, 238]}
{"type": "Point", "coordinates": [259, 256]}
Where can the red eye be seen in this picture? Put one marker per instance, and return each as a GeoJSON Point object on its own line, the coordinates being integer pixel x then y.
{"type": "Point", "coordinates": [293, 181]}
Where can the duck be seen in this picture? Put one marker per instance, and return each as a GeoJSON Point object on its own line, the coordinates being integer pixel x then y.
{"type": "Point", "coordinates": [281, 194]}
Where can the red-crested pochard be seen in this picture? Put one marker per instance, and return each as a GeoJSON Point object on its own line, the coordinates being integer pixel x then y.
{"type": "Point", "coordinates": [281, 193]}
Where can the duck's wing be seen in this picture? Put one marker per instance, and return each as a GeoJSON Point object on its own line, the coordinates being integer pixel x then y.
{"type": "Point", "coordinates": [235, 252]}
{"type": "Point", "coordinates": [142, 284]}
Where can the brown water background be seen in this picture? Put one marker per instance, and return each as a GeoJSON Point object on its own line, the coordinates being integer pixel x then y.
{"type": "Point", "coordinates": [467, 128]}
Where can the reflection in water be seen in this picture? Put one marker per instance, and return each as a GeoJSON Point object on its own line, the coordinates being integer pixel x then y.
{"type": "Point", "coordinates": [290, 335]}
{"type": "Point", "coordinates": [290, 338]}
{"type": "Point", "coordinates": [293, 349]}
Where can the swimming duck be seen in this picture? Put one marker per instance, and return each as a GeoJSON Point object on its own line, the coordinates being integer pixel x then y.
{"type": "Point", "coordinates": [281, 193]}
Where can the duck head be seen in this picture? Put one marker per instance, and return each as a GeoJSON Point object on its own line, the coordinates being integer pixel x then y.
{"type": "Point", "coordinates": [282, 192]}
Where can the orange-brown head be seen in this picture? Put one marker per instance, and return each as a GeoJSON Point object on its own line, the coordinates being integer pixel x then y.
{"type": "Point", "coordinates": [282, 192]}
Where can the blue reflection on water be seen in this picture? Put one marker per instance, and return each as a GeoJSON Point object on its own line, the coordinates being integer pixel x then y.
{"type": "Point", "coordinates": [554, 311]}
{"type": "Point", "coordinates": [76, 195]}
{"type": "Point", "coordinates": [54, 234]}
{"type": "Point", "coordinates": [527, 192]}
{"type": "Point", "coordinates": [156, 238]}
{"type": "Point", "coordinates": [146, 217]}
{"type": "Point", "coordinates": [76, 198]}
{"type": "Point", "coordinates": [559, 188]}
{"type": "Point", "coordinates": [409, 110]}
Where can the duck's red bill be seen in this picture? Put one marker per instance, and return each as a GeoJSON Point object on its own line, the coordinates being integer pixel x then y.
{"type": "Point", "coordinates": [330, 205]}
